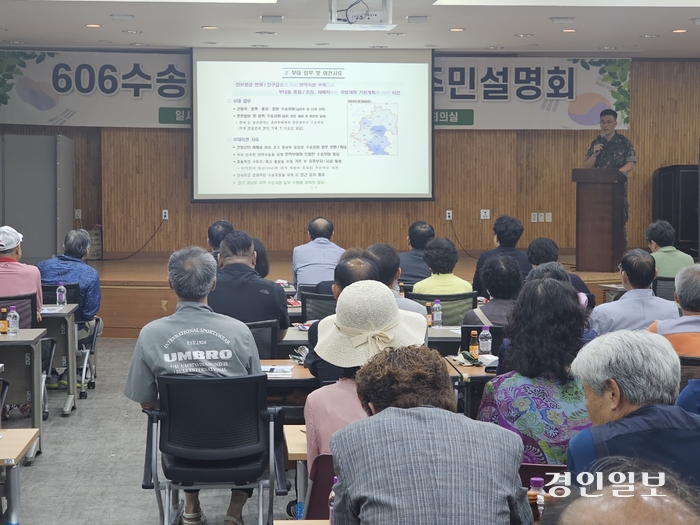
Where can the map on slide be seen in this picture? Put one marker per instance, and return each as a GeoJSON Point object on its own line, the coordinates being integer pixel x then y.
{"type": "Point", "coordinates": [373, 129]}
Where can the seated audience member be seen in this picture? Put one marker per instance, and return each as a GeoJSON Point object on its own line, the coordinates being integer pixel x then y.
{"type": "Point", "coordinates": [638, 307]}
{"type": "Point", "coordinates": [554, 270]}
{"type": "Point", "coordinates": [240, 292]}
{"type": "Point", "coordinates": [544, 271]}
{"type": "Point", "coordinates": [72, 268]}
{"type": "Point", "coordinates": [441, 256]}
{"type": "Point", "coordinates": [413, 267]}
{"type": "Point", "coordinates": [414, 461]}
{"type": "Point", "coordinates": [669, 260]}
{"type": "Point", "coordinates": [502, 279]}
{"type": "Point", "coordinates": [506, 234]}
{"type": "Point", "coordinates": [216, 233]}
{"type": "Point", "coordinates": [684, 332]}
{"type": "Point", "coordinates": [543, 250]}
{"type": "Point", "coordinates": [387, 260]}
{"type": "Point", "coordinates": [689, 398]}
{"type": "Point", "coordinates": [680, 504]}
{"type": "Point", "coordinates": [326, 287]}
{"type": "Point", "coordinates": [192, 275]}
{"type": "Point", "coordinates": [631, 381]}
{"type": "Point", "coordinates": [262, 263]}
{"type": "Point", "coordinates": [539, 400]}
{"type": "Point", "coordinates": [315, 261]}
{"type": "Point", "coordinates": [348, 271]}
{"type": "Point", "coordinates": [368, 319]}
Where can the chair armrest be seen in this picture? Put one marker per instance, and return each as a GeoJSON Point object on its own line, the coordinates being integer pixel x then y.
{"type": "Point", "coordinates": [282, 486]}
{"type": "Point", "coordinates": [153, 416]}
{"type": "Point", "coordinates": [52, 342]}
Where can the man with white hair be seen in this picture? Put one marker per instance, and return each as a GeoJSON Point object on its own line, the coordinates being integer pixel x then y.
{"type": "Point", "coordinates": [72, 268]}
{"type": "Point", "coordinates": [192, 341]}
{"type": "Point", "coordinates": [684, 332]}
{"type": "Point", "coordinates": [631, 381]}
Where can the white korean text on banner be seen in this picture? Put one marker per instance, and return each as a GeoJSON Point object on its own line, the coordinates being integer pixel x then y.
{"type": "Point", "coordinates": [65, 88]}
{"type": "Point", "coordinates": [529, 93]}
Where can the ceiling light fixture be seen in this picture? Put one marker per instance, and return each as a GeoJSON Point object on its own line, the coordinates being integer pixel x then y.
{"type": "Point", "coordinates": [430, 45]}
{"type": "Point", "coordinates": [680, 30]}
{"type": "Point", "coordinates": [417, 19]}
{"type": "Point", "coordinates": [395, 34]}
{"type": "Point", "coordinates": [649, 36]}
{"type": "Point", "coordinates": [265, 33]}
{"type": "Point", "coordinates": [138, 44]}
{"type": "Point", "coordinates": [271, 19]}
{"type": "Point", "coordinates": [210, 28]}
{"type": "Point", "coordinates": [494, 47]}
{"type": "Point", "coordinates": [132, 31]}
{"type": "Point", "coordinates": [322, 44]}
{"type": "Point", "coordinates": [210, 43]}
{"type": "Point", "coordinates": [456, 29]}
{"type": "Point", "coordinates": [105, 42]}
{"type": "Point", "coordinates": [524, 35]}
{"type": "Point", "coordinates": [16, 42]}
{"type": "Point", "coordinates": [93, 26]}
{"type": "Point", "coordinates": [378, 47]}
{"type": "Point", "coordinates": [122, 18]}
{"type": "Point", "coordinates": [3, 29]}
{"type": "Point", "coordinates": [568, 30]}
{"type": "Point", "coordinates": [607, 48]}
{"type": "Point", "coordinates": [561, 19]}
{"type": "Point", "coordinates": [259, 45]}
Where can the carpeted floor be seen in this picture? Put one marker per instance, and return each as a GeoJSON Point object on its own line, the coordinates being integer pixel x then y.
{"type": "Point", "coordinates": [92, 462]}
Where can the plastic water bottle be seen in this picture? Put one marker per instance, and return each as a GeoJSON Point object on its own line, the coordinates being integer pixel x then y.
{"type": "Point", "coordinates": [13, 321]}
{"type": "Point", "coordinates": [61, 295]}
{"type": "Point", "coordinates": [331, 503]}
{"type": "Point", "coordinates": [485, 340]}
{"type": "Point", "coordinates": [537, 487]}
{"type": "Point", "coordinates": [437, 314]}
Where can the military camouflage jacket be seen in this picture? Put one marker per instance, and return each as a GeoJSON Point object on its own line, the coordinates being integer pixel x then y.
{"type": "Point", "coordinates": [616, 152]}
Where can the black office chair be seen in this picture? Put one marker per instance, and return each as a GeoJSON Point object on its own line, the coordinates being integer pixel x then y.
{"type": "Point", "coordinates": [265, 335]}
{"type": "Point", "coordinates": [316, 306]}
{"type": "Point", "coordinates": [48, 291]}
{"type": "Point", "coordinates": [209, 443]}
{"type": "Point", "coordinates": [496, 333]}
{"type": "Point", "coordinates": [454, 306]}
{"type": "Point", "coordinates": [26, 308]}
{"type": "Point", "coordinates": [305, 288]}
{"type": "Point", "coordinates": [664, 287]}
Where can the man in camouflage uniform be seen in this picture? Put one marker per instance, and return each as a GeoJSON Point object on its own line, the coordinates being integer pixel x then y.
{"type": "Point", "coordinates": [612, 150]}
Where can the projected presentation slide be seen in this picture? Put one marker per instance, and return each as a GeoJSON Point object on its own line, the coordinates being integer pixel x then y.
{"type": "Point", "coordinates": [316, 130]}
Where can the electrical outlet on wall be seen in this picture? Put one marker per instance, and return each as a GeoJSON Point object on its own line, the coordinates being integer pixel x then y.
{"type": "Point", "coordinates": [540, 217]}
{"type": "Point", "coordinates": [548, 217]}
{"type": "Point", "coordinates": [533, 216]}
{"type": "Point", "coordinates": [448, 215]}
{"type": "Point", "coordinates": [485, 214]}
{"type": "Point", "coordinates": [78, 213]}
{"type": "Point", "coordinates": [164, 215]}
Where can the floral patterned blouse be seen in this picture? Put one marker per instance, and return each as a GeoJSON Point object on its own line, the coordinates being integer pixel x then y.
{"type": "Point", "coordinates": [545, 414]}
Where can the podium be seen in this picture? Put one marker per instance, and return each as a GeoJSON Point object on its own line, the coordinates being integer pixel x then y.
{"type": "Point", "coordinates": [599, 218]}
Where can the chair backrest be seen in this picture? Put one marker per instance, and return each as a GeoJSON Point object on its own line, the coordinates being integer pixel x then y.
{"type": "Point", "coordinates": [26, 308]}
{"type": "Point", "coordinates": [321, 477]}
{"type": "Point", "coordinates": [316, 306]}
{"type": "Point", "coordinates": [591, 301]}
{"type": "Point", "coordinates": [48, 291]}
{"type": "Point", "coordinates": [664, 287]}
{"type": "Point", "coordinates": [213, 418]}
{"type": "Point", "coordinates": [265, 335]}
{"type": "Point", "coordinates": [496, 333]}
{"type": "Point", "coordinates": [407, 288]}
{"type": "Point", "coordinates": [535, 470]}
{"type": "Point", "coordinates": [454, 306]}
{"type": "Point", "coordinates": [305, 288]}
{"type": "Point", "coordinates": [690, 369]}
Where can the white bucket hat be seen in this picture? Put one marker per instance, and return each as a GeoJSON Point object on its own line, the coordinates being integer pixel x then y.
{"type": "Point", "coordinates": [367, 320]}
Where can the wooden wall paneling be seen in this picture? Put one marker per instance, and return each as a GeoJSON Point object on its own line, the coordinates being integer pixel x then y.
{"type": "Point", "coordinates": [512, 172]}
{"type": "Point", "coordinates": [87, 184]}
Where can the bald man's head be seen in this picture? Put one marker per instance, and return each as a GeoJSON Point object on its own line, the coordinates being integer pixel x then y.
{"type": "Point", "coordinates": [320, 227]}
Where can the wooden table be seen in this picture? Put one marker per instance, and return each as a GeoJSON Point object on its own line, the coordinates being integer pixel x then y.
{"type": "Point", "coordinates": [21, 355]}
{"type": "Point", "coordinates": [14, 444]}
{"type": "Point", "coordinates": [295, 444]}
{"type": "Point", "coordinates": [61, 326]}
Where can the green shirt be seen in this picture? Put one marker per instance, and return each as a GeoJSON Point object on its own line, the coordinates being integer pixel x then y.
{"type": "Point", "coordinates": [616, 152]}
{"type": "Point", "coordinates": [670, 261]}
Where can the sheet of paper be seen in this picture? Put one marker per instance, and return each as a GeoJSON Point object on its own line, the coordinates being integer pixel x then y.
{"type": "Point", "coordinates": [51, 309]}
{"type": "Point", "coordinates": [279, 371]}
